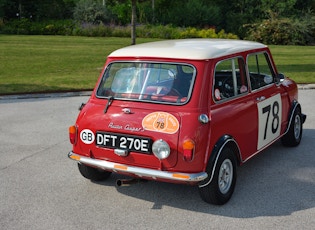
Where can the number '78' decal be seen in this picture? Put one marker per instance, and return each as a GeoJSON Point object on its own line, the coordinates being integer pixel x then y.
{"type": "Point", "coordinates": [269, 120]}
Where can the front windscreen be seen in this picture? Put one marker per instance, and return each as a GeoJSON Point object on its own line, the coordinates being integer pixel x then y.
{"type": "Point", "coordinates": [153, 82]}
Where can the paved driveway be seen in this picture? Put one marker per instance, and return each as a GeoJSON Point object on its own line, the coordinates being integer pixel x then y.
{"type": "Point", "coordinates": [40, 188]}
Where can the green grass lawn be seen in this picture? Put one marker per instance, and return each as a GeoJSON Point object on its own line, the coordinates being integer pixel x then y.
{"type": "Point", "coordinates": [296, 62]}
{"type": "Point", "coordinates": [53, 63]}
{"type": "Point", "coordinates": [62, 63]}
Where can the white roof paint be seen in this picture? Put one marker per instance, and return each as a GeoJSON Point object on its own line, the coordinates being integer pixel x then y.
{"type": "Point", "coordinates": [198, 49]}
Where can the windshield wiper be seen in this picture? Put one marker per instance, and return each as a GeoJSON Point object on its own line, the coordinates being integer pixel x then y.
{"type": "Point", "coordinates": [109, 102]}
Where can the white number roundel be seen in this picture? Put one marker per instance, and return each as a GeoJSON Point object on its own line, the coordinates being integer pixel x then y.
{"type": "Point", "coordinates": [269, 120]}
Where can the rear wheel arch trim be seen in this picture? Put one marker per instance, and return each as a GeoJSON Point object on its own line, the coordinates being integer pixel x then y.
{"type": "Point", "coordinates": [224, 141]}
{"type": "Point", "coordinates": [295, 104]}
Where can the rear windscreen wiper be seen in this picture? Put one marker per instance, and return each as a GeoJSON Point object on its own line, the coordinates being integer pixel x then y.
{"type": "Point", "coordinates": [109, 102]}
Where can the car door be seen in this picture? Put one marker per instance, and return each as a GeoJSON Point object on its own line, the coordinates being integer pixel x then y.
{"type": "Point", "coordinates": [232, 113]}
{"type": "Point", "coordinates": [267, 97]}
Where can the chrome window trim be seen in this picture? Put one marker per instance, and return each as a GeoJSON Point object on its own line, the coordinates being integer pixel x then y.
{"type": "Point", "coordinates": [194, 76]}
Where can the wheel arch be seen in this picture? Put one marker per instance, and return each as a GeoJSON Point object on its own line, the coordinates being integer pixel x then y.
{"type": "Point", "coordinates": [294, 106]}
{"type": "Point", "coordinates": [224, 141]}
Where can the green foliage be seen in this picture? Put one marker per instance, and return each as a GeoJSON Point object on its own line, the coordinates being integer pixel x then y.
{"type": "Point", "coordinates": [196, 13]}
{"type": "Point", "coordinates": [281, 7]}
{"type": "Point", "coordinates": [101, 30]}
{"type": "Point", "coordinates": [94, 18]}
{"type": "Point", "coordinates": [29, 27]}
{"type": "Point", "coordinates": [121, 12]}
{"type": "Point", "coordinates": [284, 31]}
{"type": "Point", "coordinates": [150, 31]}
{"type": "Point", "coordinates": [206, 33]}
{"type": "Point", "coordinates": [159, 31]}
{"type": "Point", "coordinates": [36, 10]}
{"type": "Point", "coordinates": [90, 11]}
{"type": "Point", "coordinates": [67, 27]}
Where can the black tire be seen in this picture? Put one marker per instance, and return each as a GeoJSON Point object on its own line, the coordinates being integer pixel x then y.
{"type": "Point", "coordinates": [294, 135]}
{"type": "Point", "coordinates": [221, 187]}
{"type": "Point", "coordinates": [93, 173]}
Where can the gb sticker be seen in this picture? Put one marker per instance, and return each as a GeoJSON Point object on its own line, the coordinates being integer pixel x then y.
{"type": "Point", "coordinates": [87, 136]}
{"type": "Point", "coordinates": [269, 119]}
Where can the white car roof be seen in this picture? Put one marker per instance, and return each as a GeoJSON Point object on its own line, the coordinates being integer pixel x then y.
{"type": "Point", "coordinates": [198, 49]}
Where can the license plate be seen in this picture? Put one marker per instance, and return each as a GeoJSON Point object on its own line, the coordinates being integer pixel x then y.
{"type": "Point", "coordinates": [126, 142]}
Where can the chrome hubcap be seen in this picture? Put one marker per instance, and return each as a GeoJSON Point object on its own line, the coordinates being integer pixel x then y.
{"type": "Point", "coordinates": [225, 176]}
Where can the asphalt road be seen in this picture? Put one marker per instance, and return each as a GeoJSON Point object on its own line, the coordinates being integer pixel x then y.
{"type": "Point", "coordinates": [40, 188]}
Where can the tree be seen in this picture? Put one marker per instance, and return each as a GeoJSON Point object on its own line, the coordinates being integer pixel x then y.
{"type": "Point", "coordinates": [280, 7]}
{"type": "Point", "coordinates": [133, 21]}
{"type": "Point", "coordinates": [36, 10]}
{"type": "Point", "coordinates": [120, 8]}
{"type": "Point", "coordinates": [89, 11]}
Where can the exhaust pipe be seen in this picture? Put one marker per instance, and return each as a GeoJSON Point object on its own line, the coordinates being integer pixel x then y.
{"type": "Point", "coordinates": [127, 182]}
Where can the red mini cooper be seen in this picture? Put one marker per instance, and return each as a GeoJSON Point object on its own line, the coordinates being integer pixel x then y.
{"type": "Point", "coordinates": [185, 111]}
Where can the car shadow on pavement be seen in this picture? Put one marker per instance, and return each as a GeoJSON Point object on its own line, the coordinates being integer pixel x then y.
{"type": "Point", "coordinates": [277, 182]}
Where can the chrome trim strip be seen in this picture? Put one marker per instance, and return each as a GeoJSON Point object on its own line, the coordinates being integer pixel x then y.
{"type": "Point", "coordinates": [216, 161]}
{"type": "Point", "coordinates": [291, 117]}
{"type": "Point", "coordinates": [140, 172]}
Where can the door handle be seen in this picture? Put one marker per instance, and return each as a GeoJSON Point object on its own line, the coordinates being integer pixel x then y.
{"type": "Point", "coordinates": [261, 98]}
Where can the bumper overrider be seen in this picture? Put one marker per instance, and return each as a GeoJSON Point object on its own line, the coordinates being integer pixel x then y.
{"type": "Point", "coordinates": [153, 174]}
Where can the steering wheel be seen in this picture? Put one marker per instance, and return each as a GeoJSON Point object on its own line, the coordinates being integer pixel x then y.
{"type": "Point", "coordinates": [227, 88]}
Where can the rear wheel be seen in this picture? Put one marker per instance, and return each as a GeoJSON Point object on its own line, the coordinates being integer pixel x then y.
{"type": "Point", "coordinates": [220, 189]}
{"type": "Point", "coordinates": [93, 173]}
{"type": "Point", "coordinates": [293, 136]}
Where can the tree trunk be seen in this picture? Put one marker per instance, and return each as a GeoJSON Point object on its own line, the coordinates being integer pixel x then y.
{"type": "Point", "coordinates": [133, 22]}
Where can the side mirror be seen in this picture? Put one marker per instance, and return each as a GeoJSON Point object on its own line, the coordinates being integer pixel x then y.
{"type": "Point", "coordinates": [280, 78]}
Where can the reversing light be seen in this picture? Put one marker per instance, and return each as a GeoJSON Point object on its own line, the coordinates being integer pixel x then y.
{"type": "Point", "coordinates": [161, 149]}
{"type": "Point", "coordinates": [72, 134]}
{"type": "Point", "coordinates": [188, 147]}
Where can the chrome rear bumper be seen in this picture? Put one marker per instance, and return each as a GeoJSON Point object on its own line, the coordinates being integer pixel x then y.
{"type": "Point", "coordinates": [178, 177]}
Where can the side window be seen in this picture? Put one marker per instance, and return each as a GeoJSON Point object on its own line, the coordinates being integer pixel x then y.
{"type": "Point", "coordinates": [230, 79]}
{"type": "Point", "coordinates": [260, 71]}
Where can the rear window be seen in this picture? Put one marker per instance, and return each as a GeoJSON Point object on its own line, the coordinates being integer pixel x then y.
{"type": "Point", "coordinates": [152, 82]}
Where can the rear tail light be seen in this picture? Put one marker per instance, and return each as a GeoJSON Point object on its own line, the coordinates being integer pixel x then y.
{"type": "Point", "coordinates": [188, 147]}
{"type": "Point", "coordinates": [73, 134]}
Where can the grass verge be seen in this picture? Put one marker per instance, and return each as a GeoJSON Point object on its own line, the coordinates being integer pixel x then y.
{"type": "Point", "coordinates": [67, 63]}
{"type": "Point", "coordinates": [53, 63]}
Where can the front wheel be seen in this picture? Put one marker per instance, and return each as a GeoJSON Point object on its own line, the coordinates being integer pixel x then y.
{"type": "Point", "coordinates": [219, 190]}
{"type": "Point", "coordinates": [93, 174]}
{"type": "Point", "coordinates": [294, 135]}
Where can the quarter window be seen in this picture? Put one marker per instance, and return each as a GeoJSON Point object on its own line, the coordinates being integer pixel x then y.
{"type": "Point", "coordinates": [230, 79]}
{"type": "Point", "coordinates": [260, 71]}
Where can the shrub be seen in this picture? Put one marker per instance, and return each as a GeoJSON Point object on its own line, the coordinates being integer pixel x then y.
{"type": "Point", "coordinates": [149, 31]}
{"type": "Point", "coordinates": [188, 13]}
{"type": "Point", "coordinates": [90, 11]}
{"type": "Point", "coordinates": [92, 30]}
{"type": "Point", "coordinates": [159, 31]}
{"type": "Point", "coordinates": [68, 27]}
{"type": "Point", "coordinates": [22, 26]}
{"type": "Point", "coordinates": [206, 33]}
{"type": "Point", "coordinates": [121, 31]}
{"type": "Point", "coordinates": [283, 31]}
{"type": "Point", "coordinates": [58, 27]}
{"type": "Point", "coordinates": [27, 26]}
